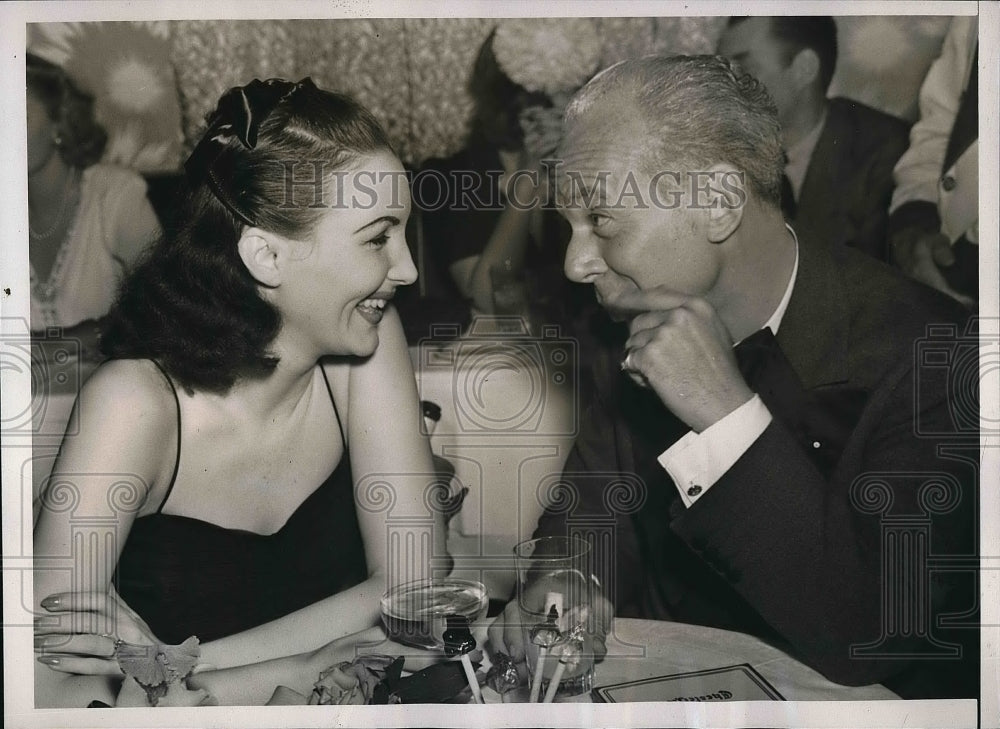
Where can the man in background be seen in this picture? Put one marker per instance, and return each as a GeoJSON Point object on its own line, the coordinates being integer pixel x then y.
{"type": "Point", "coordinates": [839, 154]}
{"type": "Point", "coordinates": [934, 220]}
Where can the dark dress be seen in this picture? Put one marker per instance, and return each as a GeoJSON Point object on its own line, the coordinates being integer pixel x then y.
{"type": "Point", "coordinates": [185, 576]}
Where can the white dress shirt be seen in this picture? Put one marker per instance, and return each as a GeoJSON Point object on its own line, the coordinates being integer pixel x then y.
{"type": "Point", "coordinates": [698, 460]}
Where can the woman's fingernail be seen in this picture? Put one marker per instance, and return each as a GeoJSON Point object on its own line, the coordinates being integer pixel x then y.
{"type": "Point", "coordinates": [44, 641]}
{"type": "Point", "coordinates": [52, 601]}
{"type": "Point", "coordinates": [48, 660]}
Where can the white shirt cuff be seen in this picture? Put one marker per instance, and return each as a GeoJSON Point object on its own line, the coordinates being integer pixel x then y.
{"type": "Point", "coordinates": [698, 460]}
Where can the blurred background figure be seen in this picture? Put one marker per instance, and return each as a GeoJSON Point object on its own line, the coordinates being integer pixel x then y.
{"type": "Point", "coordinates": [88, 222]}
{"type": "Point", "coordinates": [839, 153]}
{"type": "Point", "coordinates": [498, 233]}
{"type": "Point", "coordinates": [934, 221]}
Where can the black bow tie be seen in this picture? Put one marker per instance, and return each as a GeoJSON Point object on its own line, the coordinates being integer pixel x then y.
{"type": "Point", "coordinates": [754, 354]}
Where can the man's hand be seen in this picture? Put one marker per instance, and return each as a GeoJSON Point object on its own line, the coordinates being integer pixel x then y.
{"type": "Point", "coordinates": [921, 255]}
{"type": "Point", "coordinates": [681, 349]}
{"type": "Point", "coordinates": [507, 634]}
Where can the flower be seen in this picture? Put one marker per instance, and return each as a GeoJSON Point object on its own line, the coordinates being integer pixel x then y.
{"type": "Point", "coordinates": [551, 55]}
{"type": "Point", "coordinates": [358, 682]}
{"type": "Point", "coordinates": [134, 85]}
{"type": "Point", "coordinates": [126, 67]}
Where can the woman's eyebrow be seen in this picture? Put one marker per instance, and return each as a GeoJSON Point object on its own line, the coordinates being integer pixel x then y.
{"type": "Point", "coordinates": [384, 219]}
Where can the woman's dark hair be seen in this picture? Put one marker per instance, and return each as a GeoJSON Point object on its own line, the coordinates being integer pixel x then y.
{"type": "Point", "coordinates": [191, 305]}
{"type": "Point", "coordinates": [82, 139]}
{"type": "Point", "coordinates": [498, 101]}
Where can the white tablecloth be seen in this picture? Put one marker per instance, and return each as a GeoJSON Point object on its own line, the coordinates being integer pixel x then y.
{"type": "Point", "coordinates": [639, 649]}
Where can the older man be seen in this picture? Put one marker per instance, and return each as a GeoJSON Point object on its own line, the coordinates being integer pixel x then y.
{"type": "Point", "coordinates": [840, 153]}
{"type": "Point", "coordinates": [768, 481]}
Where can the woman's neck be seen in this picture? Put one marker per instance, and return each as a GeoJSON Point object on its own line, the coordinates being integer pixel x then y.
{"type": "Point", "coordinates": [278, 395]}
{"type": "Point", "coordinates": [48, 185]}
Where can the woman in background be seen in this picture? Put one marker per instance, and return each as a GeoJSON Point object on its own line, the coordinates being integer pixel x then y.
{"type": "Point", "coordinates": [87, 222]}
{"type": "Point", "coordinates": [260, 398]}
{"type": "Point", "coordinates": [471, 239]}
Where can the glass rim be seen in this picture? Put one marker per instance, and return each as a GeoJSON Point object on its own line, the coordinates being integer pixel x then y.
{"type": "Point", "coordinates": [582, 550]}
{"type": "Point", "coordinates": [438, 581]}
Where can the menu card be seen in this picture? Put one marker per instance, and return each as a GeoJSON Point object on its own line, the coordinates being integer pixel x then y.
{"type": "Point", "coordinates": [730, 683]}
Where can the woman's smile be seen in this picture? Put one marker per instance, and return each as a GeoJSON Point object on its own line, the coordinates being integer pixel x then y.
{"type": "Point", "coordinates": [373, 308]}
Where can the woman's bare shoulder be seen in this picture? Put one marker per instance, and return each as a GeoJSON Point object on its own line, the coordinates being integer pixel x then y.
{"type": "Point", "coordinates": [124, 422]}
{"type": "Point", "coordinates": [140, 378]}
{"type": "Point", "coordinates": [135, 391]}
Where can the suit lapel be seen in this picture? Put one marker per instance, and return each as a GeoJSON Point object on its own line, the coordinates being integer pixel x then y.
{"type": "Point", "coordinates": [822, 175]}
{"type": "Point", "coordinates": [828, 176]}
{"type": "Point", "coordinates": [814, 331]}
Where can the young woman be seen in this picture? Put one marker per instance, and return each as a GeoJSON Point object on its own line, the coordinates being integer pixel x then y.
{"type": "Point", "coordinates": [88, 223]}
{"type": "Point", "coordinates": [245, 462]}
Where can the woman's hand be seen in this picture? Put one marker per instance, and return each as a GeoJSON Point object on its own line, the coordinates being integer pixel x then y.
{"type": "Point", "coordinates": [132, 694]}
{"type": "Point", "coordinates": [83, 631]}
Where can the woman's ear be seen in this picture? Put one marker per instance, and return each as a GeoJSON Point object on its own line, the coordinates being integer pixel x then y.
{"type": "Point", "coordinates": [262, 254]}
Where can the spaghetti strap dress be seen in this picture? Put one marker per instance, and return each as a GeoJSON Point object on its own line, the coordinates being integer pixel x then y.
{"type": "Point", "coordinates": [185, 576]}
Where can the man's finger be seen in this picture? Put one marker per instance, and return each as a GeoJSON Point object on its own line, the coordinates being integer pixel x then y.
{"type": "Point", "coordinates": [495, 635]}
{"type": "Point", "coordinates": [643, 325]}
{"type": "Point", "coordinates": [638, 301]}
{"type": "Point", "coordinates": [926, 271]}
{"type": "Point", "coordinates": [941, 251]}
{"type": "Point", "coordinates": [505, 633]}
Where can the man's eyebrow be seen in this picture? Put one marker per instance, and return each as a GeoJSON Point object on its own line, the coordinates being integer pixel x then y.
{"type": "Point", "coordinates": [391, 219]}
{"type": "Point", "coordinates": [594, 190]}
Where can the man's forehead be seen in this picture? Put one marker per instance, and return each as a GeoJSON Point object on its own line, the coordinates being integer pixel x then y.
{"type": "Point", "coordinates": [604, 133]}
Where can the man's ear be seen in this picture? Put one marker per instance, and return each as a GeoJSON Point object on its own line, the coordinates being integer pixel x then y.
{"type": "Point", "coordinates": [262, 254]}
{"type": "Point", "coordinates": [727, 200]}
{"type": "Point", "coordinates": [805, 68]}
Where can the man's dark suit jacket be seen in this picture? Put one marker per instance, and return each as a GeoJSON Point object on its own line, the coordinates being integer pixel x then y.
{"type": "Point", "coordinates": [803, 541]}
{"type": "Point", "coordinates": [848, 185]}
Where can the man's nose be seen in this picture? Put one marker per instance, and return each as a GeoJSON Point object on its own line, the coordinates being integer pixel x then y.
{"type": "Point", "coordinates": [583, 259]}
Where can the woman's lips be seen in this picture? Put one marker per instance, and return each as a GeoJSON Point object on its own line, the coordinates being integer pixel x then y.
{"type": "Point", "coordinates": [372, 309]}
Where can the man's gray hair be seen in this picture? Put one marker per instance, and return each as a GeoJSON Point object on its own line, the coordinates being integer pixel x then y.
{"type": "Point", "coordinates": [700, 111]}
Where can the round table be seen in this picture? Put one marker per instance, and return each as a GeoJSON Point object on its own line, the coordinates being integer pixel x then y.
{"type": "Point", "coordinates": [639, 649]}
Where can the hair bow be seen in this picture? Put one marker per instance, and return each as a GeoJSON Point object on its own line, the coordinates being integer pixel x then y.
{"type": "Point", "coordinates": [239, 113]}
{"type": "Point", "coordinates": [244, 108]}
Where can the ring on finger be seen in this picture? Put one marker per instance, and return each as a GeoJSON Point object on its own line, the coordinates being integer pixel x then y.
{"type": "Point", "coordinates": [626, 364]}
{"type": "Point", "coordinates": [117, 643]}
